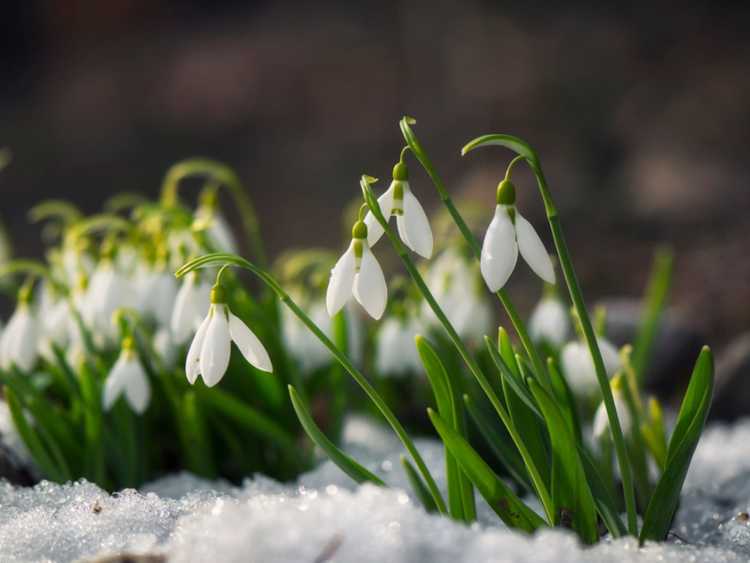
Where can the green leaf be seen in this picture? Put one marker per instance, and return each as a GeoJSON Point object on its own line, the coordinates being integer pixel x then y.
{"type": "Point", "coordinates": [565, 398]}
{"type": "Point", "coordinates": [655, 301]}
{"type": "Point", "coordinates": [605, 502]}
{"type": "Point", "coordinates": [499, 444]}
{"type": "Point", "coordinates": [687, 432]}
{"type": "Point", "coordinates": [513, 380]}
{"type": "Point", "coordinates": [572, 496]}
{"type": "Point", "coordinates": [199, 456]}
{"type": "Point", "coordinates": [30, 437]}
{"type": "Point", "coordinates": [498, 495]}
{"type": "Point", "coordinates": [418, 486]}
{"type": "Point", "coordinates": [449, 408]}
{"type": "Point", "coordinates": [343, 461]}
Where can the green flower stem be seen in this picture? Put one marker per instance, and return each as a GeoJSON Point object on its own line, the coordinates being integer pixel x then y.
{"type": "Point", "coordinates": [471, 240]}
{"type": "Point", "coordinates": [227, 177]}
{"type": "Point", "coordinates": [484, 383]}
{"type": "Point", "coordinates": [522, 148]}
{"type": "Point", "coordinates": [270, 282]}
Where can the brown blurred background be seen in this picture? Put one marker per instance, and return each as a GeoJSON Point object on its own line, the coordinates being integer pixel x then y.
{"type": "Point", "coordinates": [641, 116]}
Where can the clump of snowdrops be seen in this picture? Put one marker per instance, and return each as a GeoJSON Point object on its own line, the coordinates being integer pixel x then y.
{"type": "Point", "coordinates": [566, 421]}
{"type": "Point", "coordinates": [93, 358]}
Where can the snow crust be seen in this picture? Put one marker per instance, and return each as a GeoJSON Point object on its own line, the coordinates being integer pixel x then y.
{"type": "Point", "coordinates": [326, 517]}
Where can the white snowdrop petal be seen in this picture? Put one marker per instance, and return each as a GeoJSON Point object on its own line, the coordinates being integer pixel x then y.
{"type": "Point", "coordinates": [249, 344]}
{"type": "Point", "coordinates": [533, 251]}
{"type": "Point", "coordinates": [115, 382]}
{"type": "Point", "coordinates": [341, 281]}
{"type": "Point", "coordinates": [369, 286]}
{"type": "Point", "coordinates": [499, 250]}
{"type": "Point", "coordinates": [192, 363]}
{"type": "Point", "coordinates": [610, 356]}
{"type": "Point", "coordinates": [214, 355]}
{"type": "Point", "coordinates": [137, 388]}
{"type": "Point", "coordinates": [549, 321]}
{"type": "Point", "coordinates": [601, 427]}
{"type": "Point", "coordinates": [374, 229]}
{"type": "Point", "coordinates": [578, 368]}
{"type": "Point", "coordinates": [416, 226]}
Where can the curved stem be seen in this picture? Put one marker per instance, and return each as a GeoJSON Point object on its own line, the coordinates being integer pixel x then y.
{"type": "Point", "coordinates": [466, 356]}
{"type": "Point", "coordinates": [576, 296]}
{"type": "Point", "coordinates": [271, 283]}
{"type": "Point", "coordinates": [503, 297]}
{"type": "Point", "coordinates": [227, 177]}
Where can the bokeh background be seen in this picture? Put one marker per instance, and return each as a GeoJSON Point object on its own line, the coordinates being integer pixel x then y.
{"type": "Point", "coordinates": [641, 115]}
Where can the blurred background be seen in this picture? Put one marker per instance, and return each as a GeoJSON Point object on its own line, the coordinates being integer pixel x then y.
{"type": "Point", "coordinates": [641, 116]}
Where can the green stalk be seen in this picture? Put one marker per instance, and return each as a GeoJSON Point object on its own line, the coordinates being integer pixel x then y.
{"type": "Point", "coordinates": [227, 177]}
{"type": "Point", "coordinates": [522, 148]}
{"type": "Point", "coordinates": [468, 359]}
{"type": "Point", "coordinates": [471, 240]}
{"type": "Point", "coordinates": [271, 283]}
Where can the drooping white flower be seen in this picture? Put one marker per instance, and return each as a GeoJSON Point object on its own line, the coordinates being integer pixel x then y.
{"type": "Point", "coordinates": [54, 317]}
{"type": "Point", "coordinates": [396, 352]}
{"type": "Point", "coordinates": [457, 287]}
{"type": "Point", "coordinates": [578, 365]}
{"type": "Point", "coordinates": [600, 427]}
{"type": "Point", "coordinates": [357, 272]}
{"type": "Point", "coordinates": [129, 378]}
{"type": "Point", "coordinates": [165, 347]}
{"type": "Point", "coordinates": [411, 220]}
{"type": "Point", "coordinates": [108, 290]}
{"type": "Point", "coordinates": [508, 234]}
{"type": "Point", "coordinates": [209, 218]}
{"type": "Point", "coordinates": [302, 344]}
{"type": "Point", "coordinates": [549, 321]}
{"type": "Point", "coordinates": [191, 303]}
{"type": "Point", "coordinates": [20, 339]}
{"type": "Point", "coordinates": [209, 352]}
{"type": "Point", "coordinates": [157, 291]}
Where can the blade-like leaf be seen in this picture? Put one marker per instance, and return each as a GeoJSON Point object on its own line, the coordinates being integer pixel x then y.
{"type": "Point", "coordinates": [460, 492]}
{"type": "Point", "coordinates": [513, 380]}
{"type": "Point", "coordinates": [498, 495]}
{"type": "Point", "coordinates": [570, 489]}
{"type": "Point", "coordinates": [343, 461]}
{"type": "Point", "coordinates": [418, 486]}
{"type": "Point", "coordinates": [687, 432]}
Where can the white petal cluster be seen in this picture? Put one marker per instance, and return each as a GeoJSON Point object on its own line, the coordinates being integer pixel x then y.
{"type": "Point", "coordinates": [302, 344]}
{"type": "Point", "coordinates": [128, 378]}
{"type": "Point", "coordinates": [109, 289]}
{"type": "Point", "coordinates": [190, 305]}
{"type": "Point", "coordinates": [396, 353]}
{"type": "Point", "coordinates": [411, 220]}
{"type": "Point", "coordinates": [549, 321]}
{"type": "Point", "coordinates": [508, 234]}
{"type": "Point", "coordinates": [578, 365]}
{"type": "Point", "coordinates": [20, 339]}
{"type": "Point", "coordinates": [600, 429]}
{"type": "Point", "coordinates": [456, 285]}
{"type": "Point", "coordinates": [209, 352]}
{"type": "Point", "coordinates": [357, 273]}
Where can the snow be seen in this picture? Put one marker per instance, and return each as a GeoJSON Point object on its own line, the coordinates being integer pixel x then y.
{"type": "Point", "coordinates": [325, 517]}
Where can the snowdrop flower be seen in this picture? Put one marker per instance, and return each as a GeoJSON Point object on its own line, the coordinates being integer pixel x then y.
{"type": "Point", "coordinates": [208, 217]}
{"type": "Point", "coordinates": [508, 234]}
{"type": "Point", "coordinates": [193, 299]}
{"type": "Point", "coordinates": [411, 220]}
{"type": "Point", "coordinates": [302, 344]}
{"type": "Point", "coordinates": [157, 291]}
{"type": "Point", "coordinates": [165, 347]}
{"type": "Point", "coordinates": [396, 353]}
{"type": "Point", "coordinates": [209, 352]}
{"type": "Point", "coordinates": [549, 321]}
{"type": "Point", "coordinates": [54, 315]}
{"type": "Point", "coordinates": [108, 291]}
{"type": "Point", "coordinates": [457, 287]}
{"type": "Point", "coordinates": [357, 272]}
{"type": "Point", "coordinates": [600, 428]}
{"type": "Point", "coordinates": [20, 340]}
{"type": "Point", "coordinates": [127, 376]}
{"type": "Point", "coordinates": [578, 365]}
